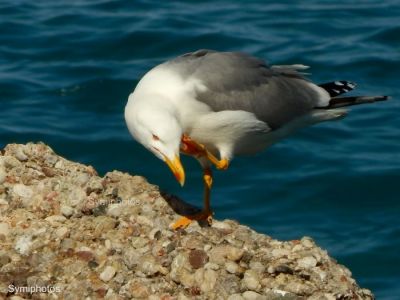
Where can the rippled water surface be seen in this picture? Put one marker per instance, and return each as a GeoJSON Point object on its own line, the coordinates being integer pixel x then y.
{"type": "Point", "coordinates": [66, 69]}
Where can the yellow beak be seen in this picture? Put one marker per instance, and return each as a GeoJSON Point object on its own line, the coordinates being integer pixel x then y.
{"type": "Point", "coordinates": [177, 169]}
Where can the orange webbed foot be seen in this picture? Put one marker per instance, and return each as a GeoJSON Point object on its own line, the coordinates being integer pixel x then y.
{"type": "Point", "coordinates": [185, 221]}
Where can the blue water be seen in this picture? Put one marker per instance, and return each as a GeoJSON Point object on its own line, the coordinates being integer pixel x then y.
{"type": "Point", "coordinates": [66, 69]}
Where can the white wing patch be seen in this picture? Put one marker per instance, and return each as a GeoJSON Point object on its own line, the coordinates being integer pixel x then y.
{"type": "Point", "coordinates": [323, 96]}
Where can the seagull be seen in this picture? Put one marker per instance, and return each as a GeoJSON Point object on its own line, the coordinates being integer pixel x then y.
{"type": "Point", "coordinates": [215, 105]}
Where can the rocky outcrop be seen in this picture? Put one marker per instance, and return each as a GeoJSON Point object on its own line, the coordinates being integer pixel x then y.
{"type": "Point", "coordinates": [66, 233]}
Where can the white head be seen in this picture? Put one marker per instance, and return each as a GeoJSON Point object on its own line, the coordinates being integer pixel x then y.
{"type": "Point", "coordinates": [156, 127]}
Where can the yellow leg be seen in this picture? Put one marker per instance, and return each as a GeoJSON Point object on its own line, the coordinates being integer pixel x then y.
{"type": "Point", "coordinates": [206, 214]}
{"type": "Point", "coordinates": [192, 147]}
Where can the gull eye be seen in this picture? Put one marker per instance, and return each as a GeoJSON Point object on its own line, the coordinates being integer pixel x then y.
{"type": "Point", "coordinates": [156, 138]}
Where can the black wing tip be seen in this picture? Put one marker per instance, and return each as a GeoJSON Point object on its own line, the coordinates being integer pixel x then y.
{"type": "Point", "coordinates": [381, 98]}
{"type": "Point", "coordinates": [338, 87]}
{"type": "Point", "coordinates": [350, 84]}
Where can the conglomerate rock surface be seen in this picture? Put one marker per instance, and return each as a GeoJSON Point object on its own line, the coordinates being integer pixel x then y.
{"type": "Point", "coordinates": [71, 234]}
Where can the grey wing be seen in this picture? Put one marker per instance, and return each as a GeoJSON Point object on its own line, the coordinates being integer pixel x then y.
{"type": "Point", "coordinates": [236, 81]}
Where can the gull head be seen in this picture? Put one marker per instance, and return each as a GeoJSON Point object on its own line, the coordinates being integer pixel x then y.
{"type": "Point", "coordinates": [157, 129]}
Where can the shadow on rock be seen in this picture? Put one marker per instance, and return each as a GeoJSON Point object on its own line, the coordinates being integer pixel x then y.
{"type": "Point", "coordinates": [181, 207]}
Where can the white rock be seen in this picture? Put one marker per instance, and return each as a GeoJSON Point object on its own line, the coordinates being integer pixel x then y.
{"type": "Point", "coordinates": [115, 210]}
{"type": "Point", "coordinates": [139, 242]}
{"type": "Point", "coordinates": [207, 247]}
{"type": "Point", "coordinates": [82, 178]}
{"type": "Point", "coordinates": [251, 280]}
{"type": "Point", "coordinates": [307, 262]}
{"type": "Point", "coordinates": [38, 231]}
{"type": "Point", "coordinates": [76, 197]}
{"type": "Point", "coordinates": [84, 248]}
{"type": "Point", "coordinates": [187, 279]}
{"type": "Point", "coordinates": [10, 162]}
{"type": "Point", "coordinates": [232, 267]}
{"type": "Point", "coordinates": [22, 190]}
{"type": "Point", "coordinates": [257, 266]}
{"type": "Point", "coordinates": [179, 263]}
{"type": "Point", "coordinates": [20, 155]}
{"type": "Point", "coordinates": [297, 247]}
{"type": "Point", "coordinates": [59, 164]}
{"type": "Point", "coordinates": [280, 292]}
{"type": "Point", "coordinates": [280, 252]}
{"type": "Point", "coordinates": [307, 242]}
{"type": "Point", "coordinates": [206, 279]}
{"type": "Point", "coordinates": [23, 244]}
{"type": "Point", "coordinates": [233, 253]}
{"type": "Point", "coordinates": [143, 220]}
{"type": "Point", "coordinates": [56, 218]}
{"type": "Point", "coordinates": [62, 232]}
{"type": "Point", "coordinates": [148, 265]}
{"type": "Point", "coordinates": [107, 274]}
{"type": "Point", "coordinates": [67, 211]}
{"type": "Point", "coordinates": [211, 266]}
{"type": "Point", "coordinates": [250, 295]}
{"type": "Point", "coordinates": [322, 274]}
{"type": "Point", "coordinates": [4, 228]}
{"type": "Point", "coordinates": [235, 297]}
{"type": "Point", "coordinates": [221, 225]}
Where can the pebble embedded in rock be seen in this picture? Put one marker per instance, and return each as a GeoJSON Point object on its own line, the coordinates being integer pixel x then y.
{"type": "Point", "coordinates": [85, 255]}
{"type": "Point", "coordinates": [179, 264]}
{"type": "Point", "coordinates": [233, 268]}
{"type": "Point", "coordinates": [103, 224]}
{"type": "Point", "coordinates": [107, 274]}
{"type": "Point", "coordinates": [234, 253]}
{"type": "Point", "coordinates": [307, 242]}
{"type": "Point", "coordinates": [139, 242]}
{"type": "Point", "coordinates": [62, 232]}
{"type": "Point", "coordinates": [198, 258]}
{"type": "Point", "coordinates": [222, 225]}
{"type": "Point", "coordinates": [23, 191]}
{"type": "Point", "coordinates": [206, 279]}
{"type": "Point", "coordinates": [307, 262]}
{"type": "Point", "coordinates": [148, 265]}
{"type": "Point", "coordinates": [251, 280]}
{"type": "Point", "coordinates": [23, 244]}
{"type": "Point", "coordinates": [55, 219]}
{"type": "Point", "coordinates": [20, 155]}
{"type": "Point", "coordinates": [257, 266]}
{"type": "Point", "coordinates": [49, 172]}
{"type": "Point", "coordinates": [143, 220]}
{"type": "Point", "coordinates": [250, 295]}
{"type": "Point", "coordinates": [278, 252]}
{"type": "Point", "coordinates": [67, 211]}
{"type": "Point", "coordinates": [211, 266]}
{"type": "Point", "coordinates": [131, 257]}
